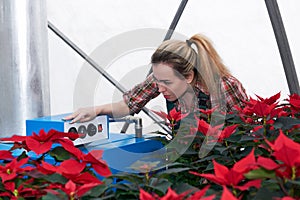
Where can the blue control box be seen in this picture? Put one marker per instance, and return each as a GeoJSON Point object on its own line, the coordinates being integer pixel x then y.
{"type": "Point", "coordinates": [94, 130]}
{"type": "Point", "coordinates": [120, 151]}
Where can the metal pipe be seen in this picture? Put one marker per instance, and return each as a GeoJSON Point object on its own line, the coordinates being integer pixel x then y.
{"type": "Point", "coordinates": [176, 19]}
{"type": "Point", "coordinates": [24, 77]}
{"type": "Point", "coordinates": [131, 119]}
{"type": "Point", "coordinates": [86, 57]}
{"type": "Point", "coordinates": [138, 127]}
{"type": "Point", "coordinates": [173, 23]}
{"type": "Point", "coordinates": [283, 45]}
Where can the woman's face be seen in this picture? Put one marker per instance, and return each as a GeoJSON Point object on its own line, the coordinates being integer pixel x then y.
{"type": "Point", "coordinates": [170, 85]}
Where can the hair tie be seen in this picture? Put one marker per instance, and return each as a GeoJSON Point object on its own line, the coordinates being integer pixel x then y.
{"type": "Point", "coordinates": [189, 43]}
{"type": "Point", "coordinates": [192, 45]}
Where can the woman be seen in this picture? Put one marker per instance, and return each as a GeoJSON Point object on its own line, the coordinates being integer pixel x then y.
{"type": "Point", "coordinates": [190, 75]}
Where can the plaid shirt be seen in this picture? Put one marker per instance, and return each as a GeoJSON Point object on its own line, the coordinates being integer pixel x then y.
{"type": "Point", "coordinates": [232, 91]}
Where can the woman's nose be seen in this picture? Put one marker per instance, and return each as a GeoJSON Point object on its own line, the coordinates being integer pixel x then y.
{"type": "Point", "coordinates": [161, 88]}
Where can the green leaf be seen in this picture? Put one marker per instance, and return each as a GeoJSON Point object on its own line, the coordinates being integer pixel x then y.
{"type": "Point", "coordinates": [128, 195]}
{"type": "Point", "coordinates": [265, 194]}
{"type": "Point", "coordinates": [22, 155]}
{"type": "Point", "coordinates": [183, 187]}
{"type": "Point", "coordinates": [243, 152]}
{"type": "Point", "coordinates": [173, 170]}
{"type": "Point", "coordinates": [50, 196]}
{"type": "Point", "coordinates": [208, 158]}
{"type": "Point", "coordinates": [234, 138]}
{"type": "Point", "coordinates": [222, 150]}
{"type": "Point", "coordinates": [246, 138]}
{"type": "Point", "coordinates": [60, 154]}
{"type": "Point", "coordinates": [294, 182]}
{"type": "Point", "coordinates": [271, 184]}
{"type": "Point", "coordinates": [127, 187]}
{"type": "Point", "coordinates": [209, 167]}
{"type": "Point", "coordinates": [129, 177]}
{"type": "Point", "coordinates": [159, 184]}
{"type": "Point", "coordinates": [56, 178]}
{"type": "Point", "coordinates": [260, 173]}
{"type": "Point", "coordinates": [100, 189]}
{"type": "Point", "coordinates": [286, 123]}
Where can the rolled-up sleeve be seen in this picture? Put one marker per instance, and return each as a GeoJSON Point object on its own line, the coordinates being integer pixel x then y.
{"type": "Point", "coordinates": [141, 94]}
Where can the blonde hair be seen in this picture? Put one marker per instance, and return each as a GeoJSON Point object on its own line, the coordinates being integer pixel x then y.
{"type": "Point", "coordinates": [203, 60]}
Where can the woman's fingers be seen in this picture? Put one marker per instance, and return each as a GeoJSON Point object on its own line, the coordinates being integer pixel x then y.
{"type": "Point", "coordinates": [69, 117]}
{"type": "Point", "coordinates": [81, 115]}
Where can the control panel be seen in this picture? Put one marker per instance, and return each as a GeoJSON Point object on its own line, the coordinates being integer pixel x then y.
{"type": "Point", "coordinates": [96, 129]}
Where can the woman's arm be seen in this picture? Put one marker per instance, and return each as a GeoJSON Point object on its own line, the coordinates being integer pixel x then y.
{"type": "Point", "coordinates": [133, 101]}
{"type": "Point", "coordinates": [118, 109]}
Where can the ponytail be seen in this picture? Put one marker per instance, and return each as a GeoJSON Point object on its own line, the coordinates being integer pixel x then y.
{"type": "Point", "coordinates": [211, 68]}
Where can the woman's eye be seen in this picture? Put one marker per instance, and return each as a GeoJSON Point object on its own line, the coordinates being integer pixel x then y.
{"type": "Point", "coordinates": [167, 83]}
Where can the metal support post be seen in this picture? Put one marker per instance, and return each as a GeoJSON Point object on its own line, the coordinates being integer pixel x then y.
{"type": "Point", "coordinates": [283, 45]}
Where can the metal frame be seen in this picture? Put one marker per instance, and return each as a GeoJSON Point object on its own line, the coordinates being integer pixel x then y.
{"type": "Point", "coordinates": [283, 46]}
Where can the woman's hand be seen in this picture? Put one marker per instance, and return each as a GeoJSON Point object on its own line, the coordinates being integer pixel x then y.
{"type": "Point", "coordinates": [89, 113]}
{"type": "Point", "coordinates": [82, 115]}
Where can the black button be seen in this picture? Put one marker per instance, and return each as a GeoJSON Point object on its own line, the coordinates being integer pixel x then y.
{"type": "Point", "coordinates": [82, 131]}
{"type": "Point", "coordinates": [91, 129]}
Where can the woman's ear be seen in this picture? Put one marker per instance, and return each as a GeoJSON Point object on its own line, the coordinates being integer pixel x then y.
{"type": "Point", "coordinates": [190, 77]}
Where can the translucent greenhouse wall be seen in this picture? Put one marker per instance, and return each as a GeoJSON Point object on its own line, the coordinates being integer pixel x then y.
{"type": "Point", "coordinates": [24, 77]}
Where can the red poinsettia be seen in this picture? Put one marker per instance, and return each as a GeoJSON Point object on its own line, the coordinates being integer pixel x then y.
{"type": "Point", "coordinates": [85, 178]}
{"type": "Point", "coordinates": [294, 101]}
{"type": "Point", "coordinates": [271, 100]}
{"type": "Point", "coordinates": [19, 142]}
{"type": "Point", "coordinates": [31, 176]}
{"type": "Point", "coordinates": [266, 108]}
{"type": "Point", "coordinates": [63, 168]}
{"type": "Point", "coordinates": [227, 195]}
{"type": "Point", "coordinates": [173, 117]}
{"type": "Point", "coordinates": [235, 176]}
{"type": "Point", "coordinates": [200, 195]}
{"type": "Point", "coordinates": [261, 108]}
{"type": "Point", "coordinates": [20, 192]}
{"type": "Point", "coordinates": [202, 126]}
{"type": "Point", "coordinates": [208, 130]}
{"type": "Point", "coordinates": [77, 175]}
{"type": "Point", "coordinates": [227, 132]}
{"type": "Point", "coordinates": [42, 142]}
{"type": "Point", "coordinates": [12, 169]}
{"type": "Point", "coordinates": [75, 191]}
{"type": "Point", "coordinates": [94, 158]}
{"type": "Point", "coordinates": [5, 155]}
{"type": "Point", "coordinates": [285, 198]}
{"type": "Point", "coordinates": [288, 153]}
{"type": "Point", "coordinates": [208, 111]}
{"type": "Point", "coordinates": [172, 195]}
{"type": "Point", "coordinates": [215, 131]}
